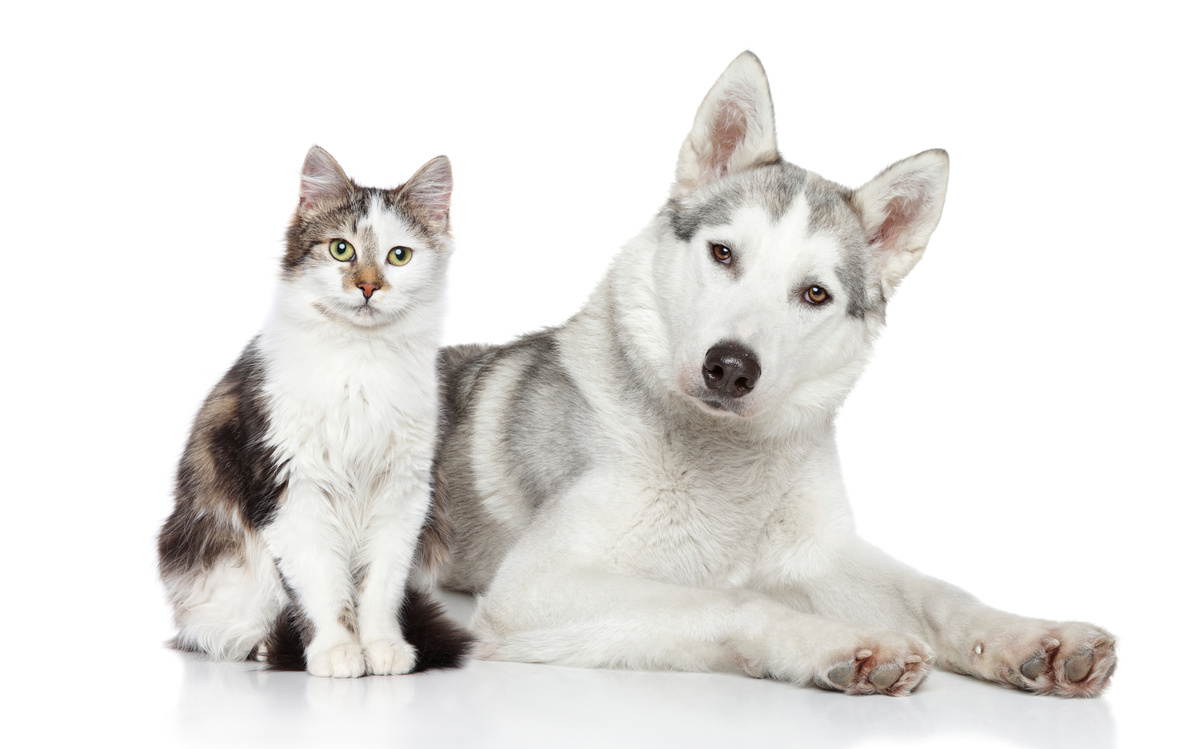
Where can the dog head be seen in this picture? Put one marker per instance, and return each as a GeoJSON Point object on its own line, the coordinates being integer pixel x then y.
{"type": "Point", "coordinates": [769, 282]}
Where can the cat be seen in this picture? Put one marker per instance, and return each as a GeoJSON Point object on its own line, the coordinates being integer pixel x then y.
{"type": "Point", "coordinates": [305, 482]}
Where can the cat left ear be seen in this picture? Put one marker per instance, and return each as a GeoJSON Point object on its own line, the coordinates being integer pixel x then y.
{"type": "Point", "coordinates": [322, 180]}
{"type": "Point", "coordinates": [428, 193]}
{"type": "Point", "coordinates": [899, 210]}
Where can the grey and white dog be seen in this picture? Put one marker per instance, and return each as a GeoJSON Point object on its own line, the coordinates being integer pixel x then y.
{"type": "Point", "coordinates": [655, 484]}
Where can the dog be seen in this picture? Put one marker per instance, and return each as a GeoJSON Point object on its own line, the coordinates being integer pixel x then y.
{"type": "Point", "coordinates": [655, 483]}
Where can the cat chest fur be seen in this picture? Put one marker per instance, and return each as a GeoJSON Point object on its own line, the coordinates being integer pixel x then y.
{"type": "Point", "coordinates": [351, 416]}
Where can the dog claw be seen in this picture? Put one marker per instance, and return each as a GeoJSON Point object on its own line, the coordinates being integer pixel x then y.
{"type": "Point", "coordinates": [1078, 667]}
{"type": "Point", "coordinates": [1033, 667]}
{"type": "Point", "coordinates": [884, 677]}
{"type": "Point", "coordinates": [843, 675]}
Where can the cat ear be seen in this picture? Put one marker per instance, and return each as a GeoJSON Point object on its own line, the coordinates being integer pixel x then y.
{"type": "Point", "coordinates": [428, 193]}
{"type": "Point", "coordinates": [734, 128]}
{"type": "Point", "coordinates": [899, 210]}
{"type": "Point", "coordinates": [322, 180]}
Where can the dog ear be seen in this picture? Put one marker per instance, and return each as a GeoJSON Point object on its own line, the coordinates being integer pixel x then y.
{"type": "Point", "coordinates": [428, 192]}
{"type": "Point", "coordinates": [734, 128]}
{"type": "Point", "coordinates": [899, 210]}
{"type": "Point", "coordinates": [322, 180]}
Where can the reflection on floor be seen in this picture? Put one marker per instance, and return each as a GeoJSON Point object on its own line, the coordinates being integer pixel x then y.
{"type": "Point", "coordinates": [492, 704]}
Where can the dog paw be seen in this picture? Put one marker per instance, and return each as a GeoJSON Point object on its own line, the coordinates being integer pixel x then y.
{"type": "Point", "coordinates": [342, 661]}
{"type": "Point", "coordinates": [892, 663]}
{"type": "Point", "coordinates": [386, 657]}
{"type": "Point", "coordinates": [1068, 659]}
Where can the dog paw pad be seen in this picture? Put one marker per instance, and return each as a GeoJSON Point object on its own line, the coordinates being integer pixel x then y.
{"type": "Point", "coordinates": [1070, 659]}
{"type": "Point", "coordinates": [1034, 666]}
{"type": "Point", "coordinates": [1077, 668]}
{"type": "Point", "coordinates": [843, 675]}
{"type": "Point", "coordinates": [884, 677]}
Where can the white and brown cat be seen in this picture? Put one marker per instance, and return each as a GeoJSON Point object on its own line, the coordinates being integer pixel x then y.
{"type": "Point", "coordinates": [306, 479]}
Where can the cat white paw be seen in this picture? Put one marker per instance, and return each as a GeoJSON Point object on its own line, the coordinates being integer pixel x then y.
{"type": "Point", "coordinates": [342, 661]}
{"type": "Point", "coordinates": [389, 657]}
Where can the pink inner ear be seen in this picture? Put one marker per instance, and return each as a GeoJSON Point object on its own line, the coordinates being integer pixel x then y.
{"type": "Point", "coordinates": [308, 195]}
{"type": "Point", "coordinates": [898, 216]}
{"type": "Point", "coordinates": [321, 181]}
{"type": "Point", "coordinates": [902, 211]}
{"type": "Point", "coordinates": [728, 132]}
{"type": "Point", "coordinates": [435, 197]}
{"type": "Point", "coordinates": [431, 191]}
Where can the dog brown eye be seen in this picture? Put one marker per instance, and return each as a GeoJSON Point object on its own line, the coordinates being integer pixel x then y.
{"type": "Point", "coordinates": [816, 295]}
{"type": "Point", "coordinates": [721, 253]}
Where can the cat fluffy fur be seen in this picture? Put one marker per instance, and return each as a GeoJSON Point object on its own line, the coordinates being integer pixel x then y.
{"type": "Point", "coordinates": [306, 478]}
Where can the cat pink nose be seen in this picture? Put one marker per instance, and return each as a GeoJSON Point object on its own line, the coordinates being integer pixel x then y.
{"type": "Point", "coordinates": [368, 289]}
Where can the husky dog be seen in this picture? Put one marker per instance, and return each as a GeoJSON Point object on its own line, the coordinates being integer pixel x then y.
{"type": "Point", "coordinates": [306, 478]}
{"type": "Point", "coordinates": [655, 484]}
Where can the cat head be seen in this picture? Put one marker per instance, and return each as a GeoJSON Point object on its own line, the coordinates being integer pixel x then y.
{"type": "Point", "coordinates": [368, 256]}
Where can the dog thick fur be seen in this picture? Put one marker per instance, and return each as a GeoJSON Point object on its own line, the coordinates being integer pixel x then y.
{"type": "Point", "coordinates": [655, 484]}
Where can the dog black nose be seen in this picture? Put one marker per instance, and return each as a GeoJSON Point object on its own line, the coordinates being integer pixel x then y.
{"type": "Point", "coordinates": [731, 369]}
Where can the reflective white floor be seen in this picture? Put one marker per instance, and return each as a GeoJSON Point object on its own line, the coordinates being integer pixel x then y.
{"type": "Point", "coordinates": [1020, 432]}
{"type": "Point", "coordinates": [513, 705]}
{"type": "Point", "coordinates": [159, 697]}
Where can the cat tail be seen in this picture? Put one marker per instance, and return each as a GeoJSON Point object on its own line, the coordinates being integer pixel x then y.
{"type": "Point", "coordinates": [285, 648]}
{"type": "Point", "coordinates": [440, 642]}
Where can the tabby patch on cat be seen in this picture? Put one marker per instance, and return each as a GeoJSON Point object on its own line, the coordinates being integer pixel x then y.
{"type": "Point", "coordinates": [305, 482]}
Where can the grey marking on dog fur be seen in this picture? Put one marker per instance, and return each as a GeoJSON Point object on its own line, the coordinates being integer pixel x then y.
{"type": "Point", "coordinates": [830, 211]}
{"type": "Point", "coordinates": [544, 419]}
{"type": "Point", "coordinates": [635, 385]}
{"type": "Point", "coordinates": [478, 539]}
{"type": "Point", "coordinates": [853, 273]}
{"type": "Point", "coordinates": [542, 423]}
{"type": "Point", "coordinates": [687, 218]}
{"type": "Point", "coordinates": [777, 187]}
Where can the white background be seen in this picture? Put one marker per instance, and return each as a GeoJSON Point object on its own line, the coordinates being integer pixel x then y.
{"type": "Point", "coordinates": [1020, 431]}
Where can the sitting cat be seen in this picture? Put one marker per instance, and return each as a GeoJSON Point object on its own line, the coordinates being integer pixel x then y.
{"type": "Point", "coordinates": [306, 479]}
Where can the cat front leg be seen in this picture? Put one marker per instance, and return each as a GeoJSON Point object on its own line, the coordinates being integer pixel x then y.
{"type": "Point", "coordinates": [313, 557]}
{"type": "Point", "coordinates": [382, 573]}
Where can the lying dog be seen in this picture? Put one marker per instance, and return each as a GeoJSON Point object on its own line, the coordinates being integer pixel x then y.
{"type": "Point", "coordinates": [655, 484]}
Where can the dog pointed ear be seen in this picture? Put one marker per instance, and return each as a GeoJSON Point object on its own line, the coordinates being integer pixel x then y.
{"type": "Point", "coordinates": [734, 128]}
{"type": "Point", "coordinates": [428, 193]}
{"type": "Point", "coordinates": [899, 210]}
{"type": "Point", "coordinates": [322, 180]}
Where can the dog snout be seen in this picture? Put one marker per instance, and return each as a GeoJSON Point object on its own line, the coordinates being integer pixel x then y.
{"type": "Point", "coordinates": [731, 369]}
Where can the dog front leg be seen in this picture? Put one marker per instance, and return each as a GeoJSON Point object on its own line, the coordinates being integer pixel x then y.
{"type": "Point", "coordinates": [580, 616]}
{"type": "Point", "coordinates": [860, 583]}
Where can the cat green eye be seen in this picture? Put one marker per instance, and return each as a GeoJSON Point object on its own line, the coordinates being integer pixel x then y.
{"type": "Point", "coordinates": [399, 255]}
{"type": "Point", "coordinates": [341, 250]}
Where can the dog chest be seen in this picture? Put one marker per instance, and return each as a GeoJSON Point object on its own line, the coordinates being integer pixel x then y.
{"type": "Point", "coordinates": [680, 520]}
